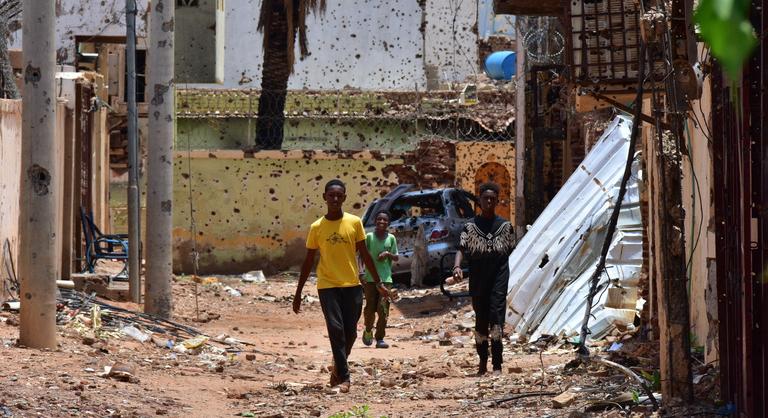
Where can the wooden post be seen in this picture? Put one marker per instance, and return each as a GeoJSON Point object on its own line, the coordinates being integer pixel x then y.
{"type": "Point", "coordinates": [672, 280]}
{"type": "Point", "coordinates": [158, 299]}
{"type": "Point", "coordinates": [520, 220]}
{"type": "Point", "coordinates": [40, 169]}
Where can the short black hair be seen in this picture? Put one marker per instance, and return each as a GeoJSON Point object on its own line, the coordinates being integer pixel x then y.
{"type": "Point", "coordinates": [383, 212]}
{"type": "Point", "coordinates": [335, 182]}
{"type": "Point", "coordinates": [489, 186]}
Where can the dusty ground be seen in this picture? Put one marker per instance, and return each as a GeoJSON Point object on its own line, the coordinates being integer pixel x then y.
{"type": "Point", "coordinates": [427, 371]}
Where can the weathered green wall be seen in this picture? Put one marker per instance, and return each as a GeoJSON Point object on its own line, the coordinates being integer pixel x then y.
{"type": "Point", "coordinates": [254, 213]}
{"type": "Point", "coordinates": [390, 136]}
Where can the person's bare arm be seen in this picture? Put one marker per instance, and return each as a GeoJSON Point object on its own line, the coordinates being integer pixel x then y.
{"type": "Point", "coordinates": [306, 268]}
{"type": "Point", "coordinates": [458, 274]}
{"type": "Point", "coordinates": [370, 267]}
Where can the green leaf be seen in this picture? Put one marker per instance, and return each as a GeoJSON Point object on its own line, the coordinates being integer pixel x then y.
{"type": "Point", "coordinates": [725, 26]}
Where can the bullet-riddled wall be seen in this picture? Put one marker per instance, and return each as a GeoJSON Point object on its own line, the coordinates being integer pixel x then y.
{"type": "Point", "coordinates": [479, 162]}
{"type": "Point", "coordinates": [254, 213]}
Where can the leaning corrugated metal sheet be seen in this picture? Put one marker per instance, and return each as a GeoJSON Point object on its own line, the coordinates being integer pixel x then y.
{"type": "Point", "coordinates": [552, 264]}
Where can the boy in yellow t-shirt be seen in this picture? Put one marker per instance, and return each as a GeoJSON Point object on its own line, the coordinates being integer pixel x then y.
{"type": "Point", "coordinates": [338, 236]}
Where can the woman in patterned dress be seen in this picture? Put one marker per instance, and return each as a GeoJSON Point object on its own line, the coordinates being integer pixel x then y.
{"type": "Point", "coordinates": [486, 243]}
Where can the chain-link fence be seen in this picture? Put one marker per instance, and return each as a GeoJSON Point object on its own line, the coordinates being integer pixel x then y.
{"type": "Point", "coordinates": [342, 119]}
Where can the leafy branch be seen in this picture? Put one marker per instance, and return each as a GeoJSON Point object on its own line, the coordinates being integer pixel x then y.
{"type": "Point", "coordinates": [725, 26]}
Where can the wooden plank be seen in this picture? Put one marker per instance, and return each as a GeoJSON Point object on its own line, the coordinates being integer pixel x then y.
{"type": "Point", "coordinates": [100, 179]}
{"type": "Point", "coordinates": [669, 268]}
{"type": "Point", "coordinates": [588, 102]}
{"type": "Point", "coordinates": [100, 283]}
{"type": "Point", "coordinates": [528, 7]}
{"type": "Point", "coordinates": [69, 195]}
{"type": "Point", "coordinates": [10, 161]}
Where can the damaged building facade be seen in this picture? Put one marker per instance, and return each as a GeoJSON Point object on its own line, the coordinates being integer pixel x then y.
{"type": "Point", "coordinates": [378, 102]}
{"type": "Point", "coordinates": [701, 185]}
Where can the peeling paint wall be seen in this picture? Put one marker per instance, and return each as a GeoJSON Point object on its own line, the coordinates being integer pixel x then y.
{"type": "Point", "coordinates": [254, 213]}
{"type": "Point", "coordinates": [195, 47]}
{"type": "Point", "coordinates": [10, 160]}
{"type": "Point", "coordinates": [698, 205]}
{"type": "Point", "coordinates": [376, 44]}
{"type": "Point", "coordinates": [450, 39]}
{"type": "Point", "coordinates": [391, 136]}
{"type": "Point", "coordinates": [78, 17]}
{"type": "Point", "coordinates": [476, 160]}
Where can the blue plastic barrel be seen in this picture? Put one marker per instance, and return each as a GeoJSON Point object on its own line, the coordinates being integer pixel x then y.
{"type": "Point", "coordinates": [501, 65]}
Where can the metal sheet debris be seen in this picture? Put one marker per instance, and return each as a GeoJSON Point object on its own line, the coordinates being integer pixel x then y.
{"type": "Point", "coordinates": [552, 264]}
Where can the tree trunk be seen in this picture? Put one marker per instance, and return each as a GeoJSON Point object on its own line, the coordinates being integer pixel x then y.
{"type": "Point", "coordinates": [38, 258]}
{"type": "Point", "coordinates": [274, 81]}
{"type": "Point", "coordinates": [159, 273]}
{"type": "Point", "coordinates": [7, 80]}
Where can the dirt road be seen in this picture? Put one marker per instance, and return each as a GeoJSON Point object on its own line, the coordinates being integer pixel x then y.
{"type": "Point", "coordinates": [282, 371]}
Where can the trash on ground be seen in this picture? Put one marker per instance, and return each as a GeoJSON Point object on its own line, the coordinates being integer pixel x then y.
{"type": "Point", "coordinates": [256, 276]}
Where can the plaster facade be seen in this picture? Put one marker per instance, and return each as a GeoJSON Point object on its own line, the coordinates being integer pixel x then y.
{"type": "Point", "coordinates": [479, 162]}
{"type": "Point", "coordinates": [370, 45]}
{"type": "Point", "coordinates": [254, 213]}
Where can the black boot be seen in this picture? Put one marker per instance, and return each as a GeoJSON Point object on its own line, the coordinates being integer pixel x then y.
{"type": "Point", "coordinates": [496, 354]}
{"type": "Point", "coordinates": [482, 352]}
{"type": "Point", "coordinates": [497, 348]}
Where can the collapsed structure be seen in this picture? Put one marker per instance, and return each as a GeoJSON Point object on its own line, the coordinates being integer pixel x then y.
{"type": "Point", "coordinates": [552, 264]}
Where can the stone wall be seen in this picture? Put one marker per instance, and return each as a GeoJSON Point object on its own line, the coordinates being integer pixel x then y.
{"type": "Point", "coordinates": [254, 213]}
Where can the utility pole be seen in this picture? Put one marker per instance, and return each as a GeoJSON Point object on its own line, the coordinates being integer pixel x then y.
{"type": "Point", "coordinates": [134, 202]}
{"type": "Point", "coordinates": [157, 293]}
{"type": "Point", "coordinates": [520, 82]}
{"type": "Point", "coordinates": [38, 258]}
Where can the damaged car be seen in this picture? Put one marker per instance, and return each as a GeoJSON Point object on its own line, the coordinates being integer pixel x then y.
{"type": "Point", "coordinates": [439, 213]}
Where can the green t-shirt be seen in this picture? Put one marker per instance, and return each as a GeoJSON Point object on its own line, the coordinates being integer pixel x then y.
{"type": "Point", "coordinates": [376, 246]}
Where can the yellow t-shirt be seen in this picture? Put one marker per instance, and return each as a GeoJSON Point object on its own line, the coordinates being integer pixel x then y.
{"type": "Point", "coordinates": [336, 241]}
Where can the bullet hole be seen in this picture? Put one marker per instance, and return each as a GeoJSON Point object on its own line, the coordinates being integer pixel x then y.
{"type": "Point", "coordinates": [28, 296]}
{"type": "Point", "coordinates": [357, 206]}
{"type": "Point", "coordinates": [318, 178]}
{"type": "Point", "coordinates": [236, 210]}
{"type": "Point", "coordinates": [32, 75]}
{"type": "Point", "coordinates": [213, 213]}
{"type": "Point", "coordinates": [40, 179]}
{"type": "Point", "coordinates": [271, 191]}
{"type": "Point", "coordinates": [274, 199]}
{"type": "Point", "coordinates": [166, 206]}
{"type": "Point", "coordinates": [158, 98]}
{"type": "Point", "coordinates": [544, 261]}
{"type": "Point", "coordinates": [167, 26]}
{"type": "Point", "coordinates": [185, 176]}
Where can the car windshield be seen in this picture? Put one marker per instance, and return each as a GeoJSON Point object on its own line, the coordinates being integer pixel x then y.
{"type": "Point", "coordinates": [418, 205]}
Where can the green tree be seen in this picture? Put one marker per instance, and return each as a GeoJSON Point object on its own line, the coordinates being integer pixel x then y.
{"type": "Point", "coordinates": [280, 21]}
{"type": "Point", "coordinates": [725, 26]}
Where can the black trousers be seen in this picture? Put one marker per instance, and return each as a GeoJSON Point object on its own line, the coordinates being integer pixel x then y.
{"type": "Point", "coordinates": [490, 305]}
{"type": "Point", "coordinates": [342, 307]}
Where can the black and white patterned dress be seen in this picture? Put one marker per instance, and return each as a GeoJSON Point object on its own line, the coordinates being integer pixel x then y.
{"type": "Point", "coordinates": [486, 245]}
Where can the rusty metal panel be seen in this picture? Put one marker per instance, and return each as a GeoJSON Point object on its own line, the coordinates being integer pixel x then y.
{"type": "Point", "coordinates": [740, 151]}
{"type": "Point", "coordinates": [603, 43]}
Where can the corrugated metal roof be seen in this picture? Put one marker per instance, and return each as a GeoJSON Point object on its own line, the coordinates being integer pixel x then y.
{"type": "Point", "coordinates": [552, 264]}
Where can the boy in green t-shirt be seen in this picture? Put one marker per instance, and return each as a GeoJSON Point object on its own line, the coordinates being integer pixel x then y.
{"type": "Point", "coordinates": [383, 249]}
